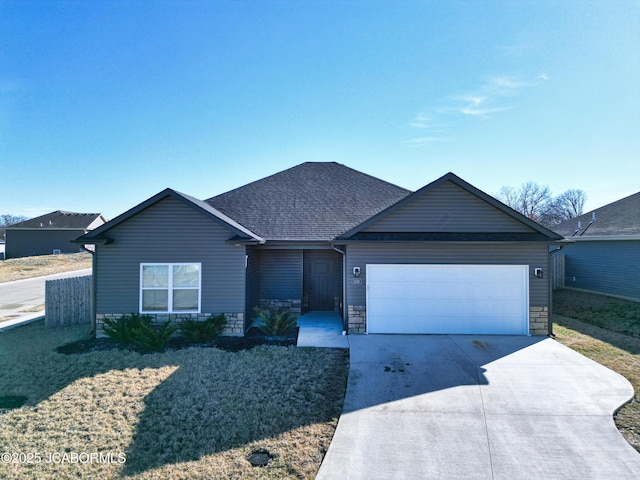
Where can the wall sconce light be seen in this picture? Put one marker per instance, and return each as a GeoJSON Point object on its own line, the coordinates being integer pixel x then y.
{"type": "Point", "coordinates": [356, 271]}
{"type": "Point", "coordinates": [537, 272]}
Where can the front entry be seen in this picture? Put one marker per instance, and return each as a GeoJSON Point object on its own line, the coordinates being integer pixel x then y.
{"type": "Point", "coordinates": [322, 285]}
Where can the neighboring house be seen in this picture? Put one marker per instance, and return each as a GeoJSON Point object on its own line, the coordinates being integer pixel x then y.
{"type": "Point", "coordinates": [603, 249]}
{"type": "Point", "coordinates": [50, 233]}
{"type": "Point", "coordinates": [447, 258]}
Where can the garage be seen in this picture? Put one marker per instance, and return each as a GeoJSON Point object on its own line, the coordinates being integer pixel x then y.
{"type": "Point", "coordinates": [448, 299]}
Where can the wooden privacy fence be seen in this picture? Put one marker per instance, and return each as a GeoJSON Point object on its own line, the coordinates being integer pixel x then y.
{"type": "Point", "coordinates": [557, 271]}
{"type": "Point", "coordinates": [68, 301]}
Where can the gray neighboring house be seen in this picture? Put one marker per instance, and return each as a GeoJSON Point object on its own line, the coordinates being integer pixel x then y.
{"type": "Point", "coordinates": [602, 253]}
{"type": "Point", "coordinates": [2, 243]}
{"type": "Point", "coordinates": [447, 258]}
{"type": "Point", "coordinates": [49, 234]}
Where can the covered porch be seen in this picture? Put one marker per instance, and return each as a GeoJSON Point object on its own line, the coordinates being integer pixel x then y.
{"type": "Point", "coordinates": [302, 280]}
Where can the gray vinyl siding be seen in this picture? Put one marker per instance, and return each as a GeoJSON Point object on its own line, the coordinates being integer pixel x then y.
{"type": "Point", "coordinates": [447, 208]}
{"type": "Point", "coordinates": [281, 274]}
{"type": "Point", "coordinates": [253, 283]}
{"type": "Point", "coordinates": [25, 243]}
{"type": "Point", "coordinates": [168, 232]}
{"type": "Point", "coordinates": [534, 255]}
{"type": "Point", "coordinates": [604, 266]}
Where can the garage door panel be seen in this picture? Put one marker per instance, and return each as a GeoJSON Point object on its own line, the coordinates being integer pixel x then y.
{"type": "Point", "coordinates": [447, 299]}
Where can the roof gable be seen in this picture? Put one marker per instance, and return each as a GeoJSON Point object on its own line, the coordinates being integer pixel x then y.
{"type": "Point", "coordinates": [313, 201]}
{"type": "Point", "coordinates": [61, 220]}
{"type": "Point", "coordinates": [450, 209]}
{"type": "Point", "coordinates": [618, 219]}
{"type": "Point", "coordinates": [241, 232]}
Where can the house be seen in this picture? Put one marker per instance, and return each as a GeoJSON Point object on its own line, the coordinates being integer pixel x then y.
{"type": "Point", "coordinates": [603, 249]}
{"type": "Point", "coordinates": [447, 258]}
{"type": "Point", "coordinates": [50, 233]}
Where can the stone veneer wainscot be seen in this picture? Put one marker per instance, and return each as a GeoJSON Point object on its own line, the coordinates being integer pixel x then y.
{"type": "Point", "coordinates": [538, 319]}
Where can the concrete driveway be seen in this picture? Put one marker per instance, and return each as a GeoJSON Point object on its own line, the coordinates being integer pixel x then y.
{"type": "Point", "coordinates": [478, 407]}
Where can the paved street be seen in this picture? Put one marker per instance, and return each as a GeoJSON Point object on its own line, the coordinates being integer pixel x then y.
{"type": "Point", "coordinates": [28, 294]}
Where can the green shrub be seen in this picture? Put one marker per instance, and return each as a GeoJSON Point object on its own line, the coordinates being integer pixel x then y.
{"type": "Point", "coordinates": [153, 339]}
{"type": "Point", "coordinates": [203, 331]}
{"type": "Point", "coordinates": [121, 329]}
{"type": "Point", "coordinates": [276, 323]}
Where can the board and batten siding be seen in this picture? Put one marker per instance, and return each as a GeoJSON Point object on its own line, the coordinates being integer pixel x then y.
{"type": "Point", "coordinates": [611, 267]}
{"type": "Point", "coordinates": [170, 232]}
{"type": "Point", "coordinates": [534, 255]}
{"type": "Point", "coordinates": [447, 208]}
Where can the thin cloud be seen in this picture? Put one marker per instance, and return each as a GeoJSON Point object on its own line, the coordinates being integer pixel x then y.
{"type": "Point", "coordinates": [497, 94]}
{"type": "Point", "coordinates": [422, 141]}
{"type": "Point", "coordinates": [470, 110]}
{"type": "Point", "coordinates": [510, 83]}
{"type": "Point", "coordinates": [422, 120]}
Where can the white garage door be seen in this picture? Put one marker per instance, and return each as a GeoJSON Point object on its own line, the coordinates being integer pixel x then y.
{"type": "Point", "coordinates": [440, 299]}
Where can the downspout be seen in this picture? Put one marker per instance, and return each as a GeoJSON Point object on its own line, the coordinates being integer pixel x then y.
{"type": "Point", "coordinates": [344, 287]}
{"type": "Point", "coordinates": [550, 325]}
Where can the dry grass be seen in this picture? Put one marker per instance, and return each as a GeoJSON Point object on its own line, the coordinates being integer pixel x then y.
{"type": "Point", "coordinates": [607, 346]}
{"type": "Point", "coordinates": [28, 267]}
{"type": "Point", "coordinates": [614, 314]}
{"type": "Point", "coordinates": [187, 414]}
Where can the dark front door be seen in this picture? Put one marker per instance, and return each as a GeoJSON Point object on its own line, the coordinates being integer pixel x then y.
{"type": "Point", "coordinates": [320, 296]}
{"type": "Point", "coordinates": [322, 284]}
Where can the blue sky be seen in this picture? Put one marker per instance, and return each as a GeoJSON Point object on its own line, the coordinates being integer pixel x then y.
{"type": "Point", "coordinates": [104, 104]}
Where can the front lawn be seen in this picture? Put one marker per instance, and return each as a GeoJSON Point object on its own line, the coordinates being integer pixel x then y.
{"type": "Point", "coordinates": [29, 267]}
{"type": "Point", "coordinates": [183, 414]}
{"type": "Point", "coordinates": [611, 313]}
{"type": "Point", "coordinates": [616, 346]}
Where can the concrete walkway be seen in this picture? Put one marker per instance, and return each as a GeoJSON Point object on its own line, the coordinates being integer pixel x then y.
{"type": "Point", "coordinates": [321, 329]}
{"type": "Point", "coordinates": [478, 407]}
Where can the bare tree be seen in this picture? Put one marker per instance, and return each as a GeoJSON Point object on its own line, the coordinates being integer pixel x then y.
{"type": "Point", "coordinates": [536, 202]}
{"type": "Point", "coordinates": [7, 219]}
{"type": "Point", "coordinates": [571, 203]}
{"type": "Point", "coordinates": [531, 199]}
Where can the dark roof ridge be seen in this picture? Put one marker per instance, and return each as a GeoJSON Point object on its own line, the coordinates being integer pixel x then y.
{"type": "Point", "coordinates": [310, 201]}
{"type": "Point", "coordinates": [283, 172]}
{"type": "Point", "coordinates": [55, 216]}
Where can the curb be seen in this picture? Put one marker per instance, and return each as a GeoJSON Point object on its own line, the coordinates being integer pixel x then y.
{"type": "Point", "coordinates": [23, 320]}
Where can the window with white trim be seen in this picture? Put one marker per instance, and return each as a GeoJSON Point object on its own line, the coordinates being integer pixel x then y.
{"type": "Point", "coordinates": [170, 287]}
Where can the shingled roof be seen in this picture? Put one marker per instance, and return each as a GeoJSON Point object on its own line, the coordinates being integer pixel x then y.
{"type": "Point", "coordinates": [620, 219]}
{"type": "Point", "coordinates": [313, 201]}
{"type": "Point", "coordinates": [57, 220]}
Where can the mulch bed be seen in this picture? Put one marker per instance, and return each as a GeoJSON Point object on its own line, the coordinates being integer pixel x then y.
{"type": "Point", "coordinates": [252, 338]}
